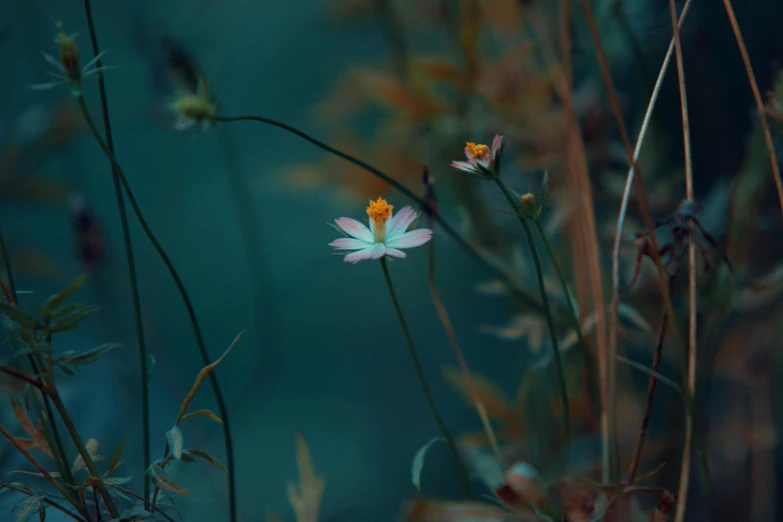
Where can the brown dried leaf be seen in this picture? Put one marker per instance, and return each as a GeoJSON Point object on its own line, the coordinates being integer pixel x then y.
{"type": "Point", "coordinates": [430, 510]}
{"type": "Point", "coordinates": [493, 398]}
{"type": "Point", "coordinates": [92, 451]}
{"type": "Point", "coordinates": [37, 440]}
{"type": "Point", "coordinates": [306, 498]}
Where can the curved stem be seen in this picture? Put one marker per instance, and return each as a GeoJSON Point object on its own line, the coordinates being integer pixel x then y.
{"type": "Point", "coordinates": [517, 291]}
{"type": "Point", "coordinates": [185, 298]}
{"type": "Point", "coordinates": [591, 377]}
{"type": "Point", "coordinates": [423, 380]}
{"type": "Point", "coordinates": [545, 300]}
{"type": "Point", "coordinates": [132, 276]}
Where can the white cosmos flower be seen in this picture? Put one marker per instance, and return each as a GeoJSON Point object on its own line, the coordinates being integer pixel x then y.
{"type": "Point", "coordinates": [385, 236]}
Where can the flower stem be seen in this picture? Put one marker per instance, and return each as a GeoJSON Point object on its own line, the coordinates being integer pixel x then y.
{"type": "Point", "coordinates": [574, 317]}
{"type": "Point", "coordinates": [132, 276]}
{"type": "Point", "coordinates": [186, 300]}
{"type": "Point", "coordinates": [517, 291]}
{"type": "Point", "coordinates": [547, 312]}
{"type": "Point", "coordinates": [423, 380]}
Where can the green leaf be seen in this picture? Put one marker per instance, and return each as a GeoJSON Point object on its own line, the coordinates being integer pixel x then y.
{"type": "Point", "coordinates": [18, 316]}
{"type": "Point", "coordinates": [58, 299]}
{"type": "Point", "coordinates": [116, 481]}
{"type": "Point", "coordinates": [174, 439]}
{"type": "Point", "coordinates": [418, 462]}
{"type": "Point", "coordinates": [662, 378]}
{"type": "Point", "coordinates": [90, 356]}
{"type": "Point", "coordinates": [165, 482]}
{"type": "Point", "coordinates": [209, 458]}
{"type": "Point", "coordinates": [71, 320]}
{"type": "Point", "coordinates": [202, 413]}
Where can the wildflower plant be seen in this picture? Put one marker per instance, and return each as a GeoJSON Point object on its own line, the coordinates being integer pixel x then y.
{"type": "Point", "coordinates": [71, 72]}
{"type": "Point", "coordinates": [386, 235]}
{"type": "Point", "coordinates": [194, 107]}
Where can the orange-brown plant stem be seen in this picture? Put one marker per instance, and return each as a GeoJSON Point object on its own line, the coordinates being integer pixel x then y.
{"type": "Point", "coordinates": [685, 467]}
{"type": "Point", "coordinates": [45, 474]}
{"type": "Point", "coordinates": [757, 98]}
{"type": "Point", "coordinates": [656, 362]}
{"type": "Point", "coordinates": [648, 222]}
{"type": "Point", "coordinates": [21, 376]}
{"type": "Point", "coordinates": [444, 318]}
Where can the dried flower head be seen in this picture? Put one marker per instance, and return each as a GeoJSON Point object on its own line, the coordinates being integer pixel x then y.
{"type": "Point", "coordinates": [481, 160]}
{"type": "Point", "coordinates": [194, 107]}
{"type": "Point", "coordinates": [71, 73]}
{"type": "Point", "coordinates": [386, 235]}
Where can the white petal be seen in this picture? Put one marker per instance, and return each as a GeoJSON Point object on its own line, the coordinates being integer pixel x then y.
{"type": "Point", "coordinates": [393, 252]}
{"type": "Point", "coordinates": [400, 222]}
{"type": "Point", "coordinates": [346, 243]}
{"type": "Point", "coordinates": [411, 239]}
{"type": "Point", "coordinates": [373, 252]}
{"type": "Point", "coordinates": [354, 229]}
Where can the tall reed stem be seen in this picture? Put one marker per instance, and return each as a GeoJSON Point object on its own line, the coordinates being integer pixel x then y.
{"type": "Point", "coordinates": [145, 400]}
{"type": "Point", "coordinates": [423, 380]}
{"type": "Point", "coordinates": [545, 302]}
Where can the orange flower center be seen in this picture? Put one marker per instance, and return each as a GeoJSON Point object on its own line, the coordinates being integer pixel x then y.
{"type": "Point", "coordinates": [379, 211]}
{"type": "Point", "coordinates": [477, 150]}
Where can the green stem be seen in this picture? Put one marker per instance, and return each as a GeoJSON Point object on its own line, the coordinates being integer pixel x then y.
{"type": "Point", "coordinates": [132, 276]}
{"type": "Point", "coordinates": [88, 462]}
{"type": "Point", "coordinates": [186, 300]}
{"type": "Point", "coordinates": [547, 313]}
{"type": "Point", "coordinates": [516, 290]}
{"type": "Point", "coordinates": [574, 317]}
{"type": "Point", "coordinates": [423, 380]}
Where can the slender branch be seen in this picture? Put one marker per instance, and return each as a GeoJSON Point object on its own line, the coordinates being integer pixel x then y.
{"type": "Point", "coordinates": [45, 474]}
{"type": "Point", "coordinates": [21, 376]}
{"type": "Point", "coordinates": [423, 380]}
{"type": "Point", "coordinates": [656, 362]}
{"type": "Point", "coordinates": [545, 300]}
{"type": "Point", "coordinates": [516, 290]}
{"type": "Point", "coordinates": [46, 501]}
{"type": "Point", "coordinates": [134, 495]}
{"type": "Point", "coordinates": [182, 291]}
{"type": "Point", "coordinates": [685, 468]}
{"type": "Point", "coordinates": [132, 276]}
{"type": "Point", "coordinates": [757, 98]}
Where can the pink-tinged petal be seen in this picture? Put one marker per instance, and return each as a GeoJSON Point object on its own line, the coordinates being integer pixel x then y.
{"type": "Point", "coordinates": [354, 229]}
{"type": "Point", "coordinates": [411, 239]}
{"type": "Point", "coordinates": [497, 142]}
{"type": "Point", "coordinates": [346, 243]}
{"type": "Point", "coordinates": [393, 252]}
{"type": "Point", "coordinates": [400, 222]}
{"type": "Point", "coordinates": [463, 165]}
{"type": "Point", "coordinates": [374, 252]}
